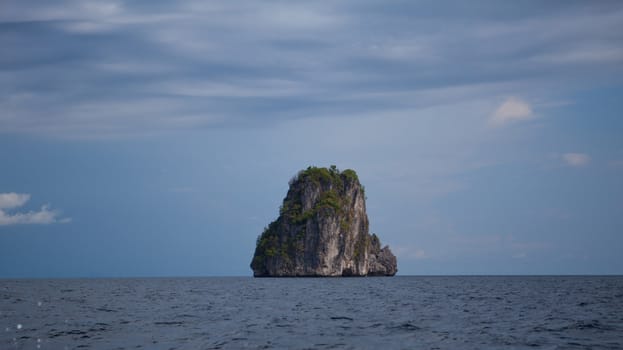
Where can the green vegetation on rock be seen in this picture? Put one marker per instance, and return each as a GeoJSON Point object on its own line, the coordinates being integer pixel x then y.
{"type": "Point", "coordinates": [323, 209]}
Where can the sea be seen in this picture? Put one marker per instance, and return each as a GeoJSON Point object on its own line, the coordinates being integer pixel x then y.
{"type": "Point", "coordinates": [402, 312]}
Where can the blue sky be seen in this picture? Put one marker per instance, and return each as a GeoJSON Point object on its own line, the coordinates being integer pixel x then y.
{"type": "Point", "coordinates": [149, 138]}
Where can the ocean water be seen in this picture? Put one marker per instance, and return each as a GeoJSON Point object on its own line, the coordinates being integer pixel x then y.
{"type": "Point", "coordinates": [313, 313]}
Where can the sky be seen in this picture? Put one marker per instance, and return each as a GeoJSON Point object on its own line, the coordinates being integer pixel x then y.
{"type": "Point", "coordinates": [153, 138]}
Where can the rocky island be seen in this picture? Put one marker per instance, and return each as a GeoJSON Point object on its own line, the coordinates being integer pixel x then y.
{"type": "Point", "coordinates": [322, 231]}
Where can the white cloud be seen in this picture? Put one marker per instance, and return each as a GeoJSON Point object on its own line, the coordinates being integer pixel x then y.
{"type": "Point", "coordinates": [576, 159]}
{"type": "Point", "coordinates": [512, 110]}
{"type": "Point", "coordinates": [14, 200]}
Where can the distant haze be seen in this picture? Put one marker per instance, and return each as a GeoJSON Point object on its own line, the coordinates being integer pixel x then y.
{"type": "Point", "coordinates": [152, 138]}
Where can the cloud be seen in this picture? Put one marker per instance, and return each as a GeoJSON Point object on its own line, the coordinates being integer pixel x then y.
{"type": "Point", "coordinates": [576, 159]}
{"type": "Point", "coordinates": [98, 69]}
{"type": "Point", "coordinates": [512, 110]}
{"type": "Point", "coordinates": [12, 200]}
{"type": "Point", "coordinates": [410, 252]}
{"type": "Point", "coordinates": [520, 255]}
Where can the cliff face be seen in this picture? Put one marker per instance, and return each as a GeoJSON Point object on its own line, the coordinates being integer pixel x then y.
{"type": "Point", "coordinates": [322, 230]}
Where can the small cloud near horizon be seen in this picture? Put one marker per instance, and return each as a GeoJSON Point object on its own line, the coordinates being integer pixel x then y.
{"type": "Point", "coordinates": [576, 159]}
{"type": "Point", "coordinates": [411, 253]}
{"type": "Point", "coordinates": [13, 200]}
{"type": "Point", "coordinates": [513, 109]}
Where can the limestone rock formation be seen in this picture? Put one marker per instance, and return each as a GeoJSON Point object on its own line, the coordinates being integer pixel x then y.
{"type": "Point", "coordinates": [322, 230]}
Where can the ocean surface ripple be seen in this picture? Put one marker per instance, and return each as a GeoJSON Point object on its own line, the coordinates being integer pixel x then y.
{"type": "Point", "coordinates": [457, 312]}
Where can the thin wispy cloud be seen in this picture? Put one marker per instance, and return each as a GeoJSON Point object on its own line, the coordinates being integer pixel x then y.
{"type": "Point", "coordinates": [410, 253]}
{"type": "Point", "coordinates": [10, 201]}
{"type": "Point", "coordinates": [576, 159]}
